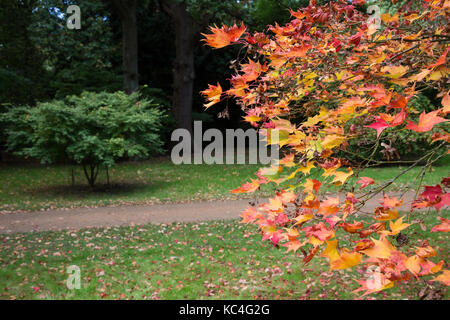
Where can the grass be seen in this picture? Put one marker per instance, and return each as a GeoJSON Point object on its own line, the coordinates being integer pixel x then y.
{"type": "Point", "coordinates": [46, 187]}
{"type": "Point", "coordinates": [40, 187]}
{"type": "Point", "coordinates": [207, 260]}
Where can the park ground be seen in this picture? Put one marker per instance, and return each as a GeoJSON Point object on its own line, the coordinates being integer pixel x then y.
{"type": "Point", "coordinates": [34, 188]}
{"type": "Point", "coordinates": [219, 259]}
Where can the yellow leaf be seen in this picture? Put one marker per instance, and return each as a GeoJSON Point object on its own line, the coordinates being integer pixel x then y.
{"type": "Point", "coordinates": [444, 277]}
{"type": "Point", "coordinates": [332, 140]}
{"type": "Point", "coordinates": [303, 218]}
{"type": "Point", "coordinates": [386, 215]}
{"type": "Point", "coordinates": [387, 18]}
{"type": "Point", "coordinates": [297, 138]}
{"type": "Point", "coordinates": [413, 264]}
{"type": "Point", "coordinates": [439, 73]}
{"type": "Point", "coordinates": [314, 241]}
{"type": "Point", "coordinates": [307, 169]}
{"type": "Point", "coordinates": [285, 125]}
{"type": "Point", "coordinates": [339, 75]}
{"type": "Point", "coordinates": [340, 177]}
{"type": "Point", "coordinates": [382, 249]}
{"type": "Point", "coordinates": [398, 226]}
{"type": "Point", "coordinates": [330, 251]}
{"type": "Point", "coordinates": [252, 118]}
{"type": "Point", "coordinates": [346, 260]}
{"type": "Point", "coordinates": [394, 72]}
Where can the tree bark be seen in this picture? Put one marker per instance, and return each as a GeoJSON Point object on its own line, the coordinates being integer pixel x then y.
{"type": "Point", "coordinates": [91, 174]}
{"type": "Point", "coordinates": [126, 10]}
{"type": "Point", "coordinates": [183, 71]}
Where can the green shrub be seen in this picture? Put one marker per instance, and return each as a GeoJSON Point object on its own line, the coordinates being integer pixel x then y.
{"type": "Point", "coordinates": [92, 129]}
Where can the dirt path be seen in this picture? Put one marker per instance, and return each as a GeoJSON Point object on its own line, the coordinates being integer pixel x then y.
{"type": "Point", "coordinates": [79, 218]}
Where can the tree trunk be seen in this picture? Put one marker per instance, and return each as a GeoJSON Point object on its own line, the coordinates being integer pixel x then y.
{"type": "Point", "coordinates": [183, 71]}
{"type": "Point", "coordinates": [91, 174]}
{"type": "Point", "coordinates": [126, 9]}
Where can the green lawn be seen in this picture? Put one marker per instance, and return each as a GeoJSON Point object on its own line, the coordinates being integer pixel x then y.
{"type": "Point", "coordinates": [208, 260]}
{"type": "Point", "coordinates": [44, 187]}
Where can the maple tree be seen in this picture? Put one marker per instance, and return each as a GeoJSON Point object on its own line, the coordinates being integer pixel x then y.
{"type": "Point", "coordinates": [322, 80]}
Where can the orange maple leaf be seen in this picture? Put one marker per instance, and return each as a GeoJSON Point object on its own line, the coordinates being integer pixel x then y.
{"type": "Point", "coordinates": [389, 203]}
{"type": "Point", "coordinates": [311, 254]}
{"type": "Point", "coordinates": [352, 227]}
{"type": "Point", "coordinates": [426, 121]}
{"type": "Point", "coordinates": [287, 196]}
{"type": "Point", "coordinates": [365, 181]}
{"type": "Point", "coordinates": [340, 259]}
{"type": "Point", "coordinates": [222, 37]}
{"type": "Point", "coordinates": [376, 283]}
{"type": "Point", "coordinates": [252, 70]}
{"type": "Point", "coordinates": [247, 187]}
{"type": "Point", "coordinates": [303, 218]}
{"type": "Point", "coordinates": [250, 215]}
{"type": "Point", "coordinates": [444, 277]}
{"type": "Point", "coordinates": [329, 206]}
{"type": "Point", "coordinates": [274, 205]}
{"type": "Point", "coordinates": [413, 264]}
{"type": "Point", "coordinates": [443, 227]}
{"type": "Point", "coordinates": [381, 249]}
{"type": "Point", "coordinates": [213, 94]}
{"type": "Point", "coordinates": [384, 214]}
{"type": "Point", "coordinates": [364, 244]}
{"type": "Point", "coordinates": [441, 59]}
{"type": "Point", "coordinates": [425, 251]}
{"type": "Point", "coordinates": [293, 245]}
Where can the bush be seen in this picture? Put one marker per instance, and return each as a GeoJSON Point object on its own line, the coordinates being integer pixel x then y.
{"type": "Point", "coordinates": [92, 129]}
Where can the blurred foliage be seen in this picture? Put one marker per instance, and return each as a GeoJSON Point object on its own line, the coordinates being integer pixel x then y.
{"type": "Point", "coordinates": [92, 129]}
{"type": "Point", "coordinates": [22, 74]}
{"type": "Point", "coordinates": [269, 12]}
{"type": "Point", "coordinates": [77, 59]}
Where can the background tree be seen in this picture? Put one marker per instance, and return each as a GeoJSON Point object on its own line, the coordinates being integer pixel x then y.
{"type": "Point", "coordinates": [22, 73]}
{"type": "Point", "coordinates": [126, 10]}
{"type": "Point", "coordinates": [78, 59]}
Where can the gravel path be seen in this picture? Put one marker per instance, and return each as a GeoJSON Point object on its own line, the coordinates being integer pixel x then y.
{"type": "Point", "coordinates": [79, 218]}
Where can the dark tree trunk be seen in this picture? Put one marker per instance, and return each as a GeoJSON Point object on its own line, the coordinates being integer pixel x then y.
{"type": "Point", "coordinates": [126, 10]}
{"type": "Point", "coordinates": [183, 71]}
{"type": "Point", "coordinates": [91, 173]}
